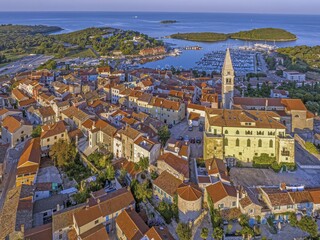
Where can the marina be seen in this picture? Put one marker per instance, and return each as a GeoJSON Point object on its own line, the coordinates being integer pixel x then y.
{"type": "Point", "coordinates": [243, 61]}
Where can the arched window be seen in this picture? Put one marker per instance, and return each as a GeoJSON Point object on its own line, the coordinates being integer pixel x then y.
{"type": "Point", "coordinates": [296, 116]}
{"type": "Point", "coordinates": [271, 144]}
{"type": "Point", "coordinates": [248, 143]}
{"type": "Point", "coordinates": [226, 132]}
{"type": "Point", "coordinates": [237, 142]}
{"type": "Point", "coordinates": [260, 143]}
{"type": "Point", "coordinates": [237, 132]}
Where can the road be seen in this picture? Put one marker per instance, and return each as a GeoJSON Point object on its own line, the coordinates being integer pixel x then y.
{"type": "Point", "coordinates": [26, 63]}
{"type": "Point", "coordinates": [9, 180]}
{"type": "Point", "coordinates": [264, 68]}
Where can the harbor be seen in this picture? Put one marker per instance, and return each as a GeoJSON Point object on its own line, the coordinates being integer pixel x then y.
{"type": "Point", "coordinates": [244, 61]}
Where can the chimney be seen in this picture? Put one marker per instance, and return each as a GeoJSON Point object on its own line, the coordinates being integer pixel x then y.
{"type": "Point", "coordinates": [237, 198]}
{"type": "Point", "coordinates": [267, 103]}
{"type": "Point", "coordinates": [283, 186]}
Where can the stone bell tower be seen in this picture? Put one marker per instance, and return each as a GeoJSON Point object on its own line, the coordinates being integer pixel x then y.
{"type": "Point", "coordinates": [227, 81]}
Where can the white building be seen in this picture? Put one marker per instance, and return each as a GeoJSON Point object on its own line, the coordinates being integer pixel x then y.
{"type": "Point", "coordinates": [294, 76]}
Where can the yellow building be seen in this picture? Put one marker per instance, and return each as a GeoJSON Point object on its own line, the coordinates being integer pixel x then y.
{"type": "Point", "coordinates": [245, 134]}
{"type": "Point", "coordinates": [29, 162]}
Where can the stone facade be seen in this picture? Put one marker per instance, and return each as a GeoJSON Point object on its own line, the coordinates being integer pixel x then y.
{"type": "Point", "coordinates": [243, 142]}
{"type": "Point", "coordinates": [227, 82]}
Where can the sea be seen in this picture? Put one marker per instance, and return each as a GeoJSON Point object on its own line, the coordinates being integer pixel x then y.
{"type": "Point", "coordinates": [306, 27]}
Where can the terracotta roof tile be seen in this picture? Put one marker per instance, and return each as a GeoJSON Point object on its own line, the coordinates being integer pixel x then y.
{"type": "Point", "coordinates": [159, 233]}
{"type": "Point", "coordinates": [177, 163]}
{"type": "Point", "coordinates": [189, 192]}
{"type": "Point", "coordinates": [31, 152]}
{"type": "Point", "coordinates": [53, 129]}
{"type": "Point", "coordinates": [168, 183]}
{"type": "Point", "coordinates": [218, 191]}
{"type": "Point", "coordinates": [131, 224]}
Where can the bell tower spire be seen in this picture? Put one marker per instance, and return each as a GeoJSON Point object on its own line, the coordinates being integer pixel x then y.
{"type": "Point", "coordinates": [227, 81]}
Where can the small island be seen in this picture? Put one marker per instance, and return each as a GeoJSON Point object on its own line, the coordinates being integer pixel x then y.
{"type": "Point", "coordinates": [201, 37]}
{"type": "Point", "coordinates": [265, 34]}
{"type": "Point", "coordinates": [261, 34]}
{"type": "Point", "coordinates": [168, 21]}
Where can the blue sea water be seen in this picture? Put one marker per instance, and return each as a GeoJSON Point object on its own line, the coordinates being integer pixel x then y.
{"type": "Point", "coordinates": [306, 27]}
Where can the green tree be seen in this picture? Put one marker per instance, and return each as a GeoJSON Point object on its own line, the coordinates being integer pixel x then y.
{"type": "Point", "coordinates": [122, 176]}
{"type": "Point", "coordinates": [247, 232]}
{"type": "Point", "coordinates": [81, 197]}
{"type": "Point", "coordinates": [204, 233]}
{"type": "Point", "coordinates": [164, 209]}
{"type": "Point", "coordinates": [217, 233]}
{"type": "Point", "coordinates": [36, 132]}
{"type": "Point", "coordinates": [308, 225]}
{"type": "Point", "coordinates": [183, 231]}
{"type": "Point", "coordinates": [110, 172]}
{"type": "Point", "coordinates": [141, 192]}
{"type": "Point", "coordinates": [144, 163]}
{"type": "Point", "coordinates": [63, 152]}
{"type": "Point", "coordinates": [293, 219]}
{"type": "Point", "coordinates": [164, 135]}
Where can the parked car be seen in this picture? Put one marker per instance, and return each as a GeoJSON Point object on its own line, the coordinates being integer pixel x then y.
{"type": "Point", "coordinates": [198, 140]}
{"type": "Point", "coordinates": [190, 128]}
{"type": "Point", "coordinates": [186, 138]}
{"type": "Point", "coordinates": [192, 140]}
{"type": "Point", "coordinates": [170, 126]}
{"type": "Point", "coordinates": [180, 138]}
{"type": "Point", "coordinates": [200, 128]}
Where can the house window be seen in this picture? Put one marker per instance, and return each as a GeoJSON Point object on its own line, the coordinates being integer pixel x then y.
{"type": "Point", "coordinates": [226, 132]}
{"type": "Point", "coordinates": [237, 132]}
{"type": "Point", "coordinates": [289, 206]}
{"type": "Point", "coordinates": [237, 142]}
{"type": "Point", "coordinates": [248, 143]}
{"type": "Point", "coordinates": [226, 142]}
{"type": "Point", "coordinates": [276, 208]}
{"type": "Point", "coordinates": [234, 204]}
{"type": "Point", "coordinates": [96, 221]}
{"type": "Point", "coordinates": [221, 205]}
{"type": "Point", "coordinates": [48, 139]}
{"type": "Point", "coordinates": [271, 144]}
{"type": "Point", "coordinates": [260, 143]}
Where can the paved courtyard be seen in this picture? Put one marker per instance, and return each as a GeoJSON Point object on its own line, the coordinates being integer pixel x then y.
{"type": "Point", "coordinates": [49, 174]}
{"type": "Point", "coordinates": [257, 177]}
{"type": "Point", "coordinates": [181, 129]}
{"type": "Point", "coordinates": [287, 232]}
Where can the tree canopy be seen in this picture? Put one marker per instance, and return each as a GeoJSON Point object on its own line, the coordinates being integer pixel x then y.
{"type": "Point", "coordinates": [164, 135]}
{"type": "Point", "coordinates": [183, 231]}
{"type": "Point", "coordinates": [63, 152]}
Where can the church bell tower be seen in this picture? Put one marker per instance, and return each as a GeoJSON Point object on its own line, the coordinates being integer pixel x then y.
{"type": "Point", "coordinates": [227, 81]}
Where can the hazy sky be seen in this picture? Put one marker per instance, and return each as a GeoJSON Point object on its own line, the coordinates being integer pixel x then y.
{"type": "Point", "coordinates": [256, 6]}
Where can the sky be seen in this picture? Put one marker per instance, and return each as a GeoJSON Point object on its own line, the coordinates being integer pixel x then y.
{"type": "Point", "coordinates": [234, 6]}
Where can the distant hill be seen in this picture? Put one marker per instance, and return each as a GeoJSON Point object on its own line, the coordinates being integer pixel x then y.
{"type": "Point", "coordinates": [265, 34]}
{"type": "Point", "coordinates": [201, 36]}
{"type": "Point", "coordinates": [28, 29]}
{"type": "Point", "coordinates": [261, 34]}
{"type": "Point", "coordinates": [168, 21]}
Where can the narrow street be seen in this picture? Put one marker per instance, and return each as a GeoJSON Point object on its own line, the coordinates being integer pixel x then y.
{"type": "Point", "coordinates": [12, 158]}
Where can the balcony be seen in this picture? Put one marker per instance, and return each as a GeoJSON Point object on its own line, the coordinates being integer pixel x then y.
{"type": "Point", "coordinates": [285, 153]}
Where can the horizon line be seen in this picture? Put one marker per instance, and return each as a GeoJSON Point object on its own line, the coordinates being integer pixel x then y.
{"type": "Point", "coordinates": [141, 11]}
